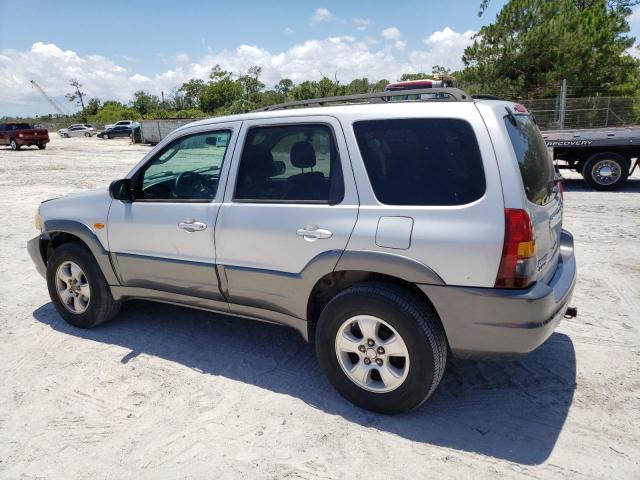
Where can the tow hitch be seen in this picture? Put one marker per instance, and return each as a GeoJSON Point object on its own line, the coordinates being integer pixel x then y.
{"type": "Point", "coordinates": [571, 312]}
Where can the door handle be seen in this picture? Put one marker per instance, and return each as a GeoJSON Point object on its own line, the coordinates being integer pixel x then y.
{"type": "Point", "coordinates": [311, 233]}
{"type": "Point", "coordinates": [190, 225]}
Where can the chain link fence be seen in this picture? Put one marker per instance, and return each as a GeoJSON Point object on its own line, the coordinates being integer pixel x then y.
{"type": "Point", "coordinates": [585, 112]}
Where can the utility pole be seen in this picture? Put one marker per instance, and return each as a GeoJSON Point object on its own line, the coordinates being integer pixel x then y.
{"type": "Point", "coordinates": [563, 102]}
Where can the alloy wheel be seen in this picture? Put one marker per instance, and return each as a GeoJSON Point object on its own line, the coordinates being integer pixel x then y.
{"type": "Point", "coordinates": [73, 287]}
{"type": "Point", "coordinates": [372, 353]}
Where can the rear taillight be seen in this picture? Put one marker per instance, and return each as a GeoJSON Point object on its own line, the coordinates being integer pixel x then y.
{"type": "Point", "coordinates": [518, 262]}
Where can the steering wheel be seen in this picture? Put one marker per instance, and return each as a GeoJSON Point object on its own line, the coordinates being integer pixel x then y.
{"type": "Point", "coordinates": [192, 185]}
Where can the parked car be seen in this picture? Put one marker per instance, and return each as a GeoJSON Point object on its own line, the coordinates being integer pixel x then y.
{"type": "Point", "coordinates": [77, 131]}
{"type": "Point", "coordinates": [392, 235]}
{"type": "Point", "coordinates": [18, 135]}
{"type": "Point", "coordinates": [121, 123]}
{"type": "Point", "coordinates": [118, 131]}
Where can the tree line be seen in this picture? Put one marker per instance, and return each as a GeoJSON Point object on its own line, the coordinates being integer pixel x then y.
{"type": "Point", "coordinates": [525, 53]}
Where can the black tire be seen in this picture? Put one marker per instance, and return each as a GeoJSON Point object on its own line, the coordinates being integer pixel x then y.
{"type": "Point", "coordinates": [42, 146]}
{"type": "Point", "coordinates": [102, 307]}
{"type": "Point", "coordinates": [615, 161]}
{"type": "Point", "coordinates": [106, 137]}
{"type": "Point", "coordinates": [87, 134]}
{"type": "Point", "coordinates": [14, 145]}
{"type": "Point", "coordinates": [66, 135]}
{"type": "Point", "coordinates": [412, 318]}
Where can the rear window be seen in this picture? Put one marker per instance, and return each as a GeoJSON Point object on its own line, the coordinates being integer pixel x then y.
{"type": "Point", "coordinates": [536, 167]}
{"type": "Point", "coordinates": [426, 161]}
{"type": "Point", "coordinates": [18, 126]}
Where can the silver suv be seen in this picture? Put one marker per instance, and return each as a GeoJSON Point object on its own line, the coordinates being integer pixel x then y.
{"type": "Point", "coordinates": [392, 234]}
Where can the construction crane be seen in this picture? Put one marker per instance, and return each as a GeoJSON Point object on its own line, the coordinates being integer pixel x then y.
{"type": "Point", "coordinates": [49, 99]}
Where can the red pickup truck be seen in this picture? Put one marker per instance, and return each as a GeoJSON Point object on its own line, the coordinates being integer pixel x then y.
{"type": "Point", "coordinates": [18, 135]}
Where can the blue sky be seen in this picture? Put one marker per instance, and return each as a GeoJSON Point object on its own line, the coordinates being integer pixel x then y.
{"type": "Point", "coordinates": [118, 47]}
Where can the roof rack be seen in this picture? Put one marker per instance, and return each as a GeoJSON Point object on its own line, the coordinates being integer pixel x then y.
{"type": "Point", "coordinates": [484, 96]}
{"type": "Point", "coordinates": [439, 95]}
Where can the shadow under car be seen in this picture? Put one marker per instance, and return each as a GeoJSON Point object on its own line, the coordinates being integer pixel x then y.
{"type": "Point", "coordinates": [508, 410]}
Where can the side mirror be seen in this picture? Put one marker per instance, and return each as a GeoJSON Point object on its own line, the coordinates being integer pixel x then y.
{"type": "Point", "coordinates": [280, 167]}
{"type": "Point", "coordinates": [121, 190]}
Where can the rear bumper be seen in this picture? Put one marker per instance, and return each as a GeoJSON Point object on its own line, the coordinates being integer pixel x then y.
{"type": "Point", "coordinates": [491, 322]}
{"type": "Point", "coordinates": [34, 247]}
{"type": "Point", "coordinates": [26, 142]}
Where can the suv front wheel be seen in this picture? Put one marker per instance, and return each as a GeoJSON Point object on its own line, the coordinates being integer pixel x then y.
{"type": "Point", "coordinates": [78, 288]}
{"type": "Point", "coordinates": [382, 348]}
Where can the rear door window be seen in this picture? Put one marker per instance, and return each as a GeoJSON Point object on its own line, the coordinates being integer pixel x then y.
{"type": "Point", "coordinates": [290, 163]}
{"type": "Point", "coordinates": [536, 166]}
{"type": "Point", "coordinates": [424, 161]}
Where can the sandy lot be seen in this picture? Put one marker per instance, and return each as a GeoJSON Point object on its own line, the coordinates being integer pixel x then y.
{"type": "Point", "coordinates": [166, 392]}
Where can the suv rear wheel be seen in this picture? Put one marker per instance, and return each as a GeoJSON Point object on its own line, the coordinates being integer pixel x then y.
{"type": "Point", "coordinates": [14, 145]}
{"type": "Point", "coordinates": [77, 287]}
{"type": "Point", "coordinates": [382, 348]}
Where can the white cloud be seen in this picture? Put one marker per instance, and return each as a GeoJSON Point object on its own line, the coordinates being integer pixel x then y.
{"type": "Point", "coordinates": [182, 57]}
{"type": "Point", "coordinates": [346, 56]}
{"type": "Point", "coordinates": [391, 33]}
{"type": "Point", "coordinates": [445, 47]}
{"type": "Point", "coordinates": [361, 23]}
{"type": "Point", "coordinates": [634, 51]}
{"type": "Point", "coordinates": [634, 18]}
{"type": "Point", "coordinates": [289, 30]}
{"type": "Point", "coordinates": [137, 78]}
{"type": "Point", "coordinates": [52, 68]}
{"type": "Point", "coordinates": [321, 15]}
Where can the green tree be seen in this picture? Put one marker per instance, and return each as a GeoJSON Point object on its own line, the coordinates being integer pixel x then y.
{"type": "Point", "coordinates": [534, 44]}
{"type": "Point", "coordinates": [380, 85]}
{"type": "Point", "coordinates": [413, 76]}
{"type": "Point", "coordinates": [284, 86]}
{"type": "Point", "coordinates": [145, 103]}
{"type": "Point", "coordinates": [92, 107]}
{"type": "Point", "coordinates": [359, 85]}
{"type": "Point", "coordinates": [250, 82]}
{"type": "Point", "coordinates": [305, 90]}
{"type": "Point", "coordinates": [77, 96]}
{"type": "Point", "coordinates": [326, 87]}
{"type": "Point", "coordinates": [440, 70]}
{"type": "Point", "coordinates": [221, 92]}
{"type": "Point", "coordinates": [112, 111]}
{"type": "Point", "coordinates": [192, 91]}
{"type": "Point", "coordinates": [581, 4]}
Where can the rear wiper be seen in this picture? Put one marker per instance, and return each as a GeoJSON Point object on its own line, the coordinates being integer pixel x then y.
{"type": "Point", "coordinates": [511, 117]}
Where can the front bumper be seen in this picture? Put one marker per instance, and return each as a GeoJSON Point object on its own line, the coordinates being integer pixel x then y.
{"type": "Point", "coordinates": [34, 247]}
{"type": "Point", "coordinates": [491, 322]}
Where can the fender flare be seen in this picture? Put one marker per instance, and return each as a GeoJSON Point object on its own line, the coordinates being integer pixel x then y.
{"type": "Point", "coordinates": [389, 264]}
{"type": "Point", "coordinates": [83, 232]}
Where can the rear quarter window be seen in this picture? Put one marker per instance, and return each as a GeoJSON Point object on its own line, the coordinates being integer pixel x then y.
{"type": "Point", "coordinates": [536, 166]}
{"type": "Point", "coordinates": [425, 161]}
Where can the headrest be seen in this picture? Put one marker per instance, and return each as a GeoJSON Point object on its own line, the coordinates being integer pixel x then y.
{"type": "Point", "coordinates": [257, 162]}
{"type": "Point", "coordinates": [303, 155]}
